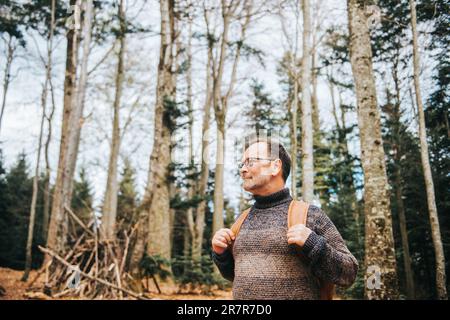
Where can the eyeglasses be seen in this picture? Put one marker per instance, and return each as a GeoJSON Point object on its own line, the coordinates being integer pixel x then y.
{"type": "Point", "coordinates": [249, 162]}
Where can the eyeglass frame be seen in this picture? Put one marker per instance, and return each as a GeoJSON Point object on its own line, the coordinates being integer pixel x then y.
{"type": "Point", "coordinates": [242, 164]}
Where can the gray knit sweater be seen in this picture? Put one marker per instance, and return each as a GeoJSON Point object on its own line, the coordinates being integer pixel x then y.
{"type": "Point", "coordinates": [263, 265]}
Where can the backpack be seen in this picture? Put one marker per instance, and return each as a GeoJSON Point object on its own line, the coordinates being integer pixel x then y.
{"type": "Point", "coordinates": [297, 214]}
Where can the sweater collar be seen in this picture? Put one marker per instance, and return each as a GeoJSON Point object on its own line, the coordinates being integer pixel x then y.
{"type": "Point", "coordinates": [272, 200]}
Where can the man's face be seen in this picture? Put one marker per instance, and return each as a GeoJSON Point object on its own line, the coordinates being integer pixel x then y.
{"type": "Point", "coordinates": [257, 173]}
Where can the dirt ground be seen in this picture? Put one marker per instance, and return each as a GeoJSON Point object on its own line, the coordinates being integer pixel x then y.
{"type": "Point", "coordinates": [12, 288]}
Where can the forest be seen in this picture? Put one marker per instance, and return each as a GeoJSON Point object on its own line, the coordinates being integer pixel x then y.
{"type": "Point", "coordinates": [122, 125]}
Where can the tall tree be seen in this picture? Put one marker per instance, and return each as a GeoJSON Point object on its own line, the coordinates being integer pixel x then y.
{"type": "Point", "coordinates": [315, 29]}
{"type": "Point", "coordinates": [11, 49]}
{"type": "Point", "coordinates": [437, 116]}
{"type": "Point", "coordinates": [74, 142]}
{"type": "Point", "coordinates": [307, 123]}
{"type": "Point", "coordinates": [199, 226]}
{"type": "Point", "coordinates": [57, 229]}
{"type": "Point", "coordinates": [321, 151]}
{"type": "Point", "coordinates": [432, 209]}
{"type": "Point", "coordinates": [379, 240]}
{"type": "Point", "coordinates": [71, 127]}
{"type": "Point", "coordinates": [110, 201]}
{"type": "Point", "coordinates": [387, 47]}
{"type": "Point", "coordinates": [47, 186]}
{"type": "Point", "coordinates": [194, 234]}
{"type": "Point", "coordinates": [229, 12]}
{"type": "Point", "coordinates": [159, 220]}
{"type": "Point", "coordinates": [291, 66]}
{"type": "Point", "coordinates": [154, 229]}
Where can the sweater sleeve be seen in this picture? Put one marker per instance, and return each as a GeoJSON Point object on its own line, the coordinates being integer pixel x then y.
{"type": "Point", "coordinates": [225, 263]}
{"type": "Point", "coordinates": [330, 259]}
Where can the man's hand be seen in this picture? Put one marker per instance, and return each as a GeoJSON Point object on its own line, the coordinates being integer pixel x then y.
{"type": "Point", "coordinates": [298, 234]}
{"type": "Point", "coordinates": [221, 240]}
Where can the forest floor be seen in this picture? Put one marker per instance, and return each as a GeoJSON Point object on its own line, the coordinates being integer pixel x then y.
{"type": "Point", "coordinates": [12, 288]}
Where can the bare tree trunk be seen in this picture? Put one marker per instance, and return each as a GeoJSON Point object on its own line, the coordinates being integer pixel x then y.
{"type": "Point", "coordinates": [220, 115]}
{"type": "Point", "coordinates": [28, 254]}
{"type": "Point", "coordinates": [46, 210]}
{"type": "Point", "coordinates": [155, 208]}
{"type": "Point", "coordinates": [379, 241]}
{"type": "Point", "coordinates": [409, 276]}
{"type": "Point", "coordinates": [49, 124]}
{"type": "Point", "coordinates": [153, 234]}
{"type": "Point", "coordinates": [199, 225]}
{"type": "Point", "coordinates": [110, 202]}
{"type": "Point", "coordinates": [398, 153]}
{"type": "Point", "coordinates": [314, 100]}
{"type": "Point", "coordinates": [177, 50]}
{"type": "Point", "coordinates": [190, 232]}
{"type": "Point", "coordinates": [429, 186]}
{"type": "Point", "coordinates": [139, 246]}
{"type": "Point", "coordinates": [57, 230]}
{"type": "Point", "coordinates": [333, 101]}
{"type": "Point", "coordinates": [186, 249]}
{"type": "Point", "coordinates": [217, 222]}
{"type": "Point", "coordinates": [293, 99]}
{"type": "Point", "coordinates": [159, 219]}
{"type": "Point", "coordinates": [220, 102]}
{"type": "Point", "coordinates": [11, 48]}
{"type": "Point", "coordinates": [307, 129]}
{"type": "Point", "coordinates": [294, 143]}
{"type": "Point", "coordinates": [413, 107]}
{"type": "Point", "coordinates": [314, 71]}
{"type": "Point", "coordinates": [70, 134]}
{"type": "Point", "coordinates": [78, 119]}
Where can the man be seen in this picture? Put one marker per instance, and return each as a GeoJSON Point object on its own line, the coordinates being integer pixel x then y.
{"type": "Point", "coordinates": [265, 261]}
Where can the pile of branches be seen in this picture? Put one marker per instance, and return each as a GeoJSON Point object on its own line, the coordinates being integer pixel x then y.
{"type": "Point", "coordinates": [91, 269]}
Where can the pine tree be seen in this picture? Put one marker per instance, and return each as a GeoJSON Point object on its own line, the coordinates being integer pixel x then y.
{"type": "Point", "coordinates": [82, 199]}
{"type": "Point", "coordinates": [264, 113]}
{"type": "Point", "coordinates": [127, 200]}
{"type": "Point", "coordinates": [16, 214]}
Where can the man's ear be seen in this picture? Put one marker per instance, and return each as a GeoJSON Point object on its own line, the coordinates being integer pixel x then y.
{"type": "Point", "coordinates": [277, 167]}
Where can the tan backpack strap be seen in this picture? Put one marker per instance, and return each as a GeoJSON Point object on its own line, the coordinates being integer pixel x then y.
{"type": "Point", "coordinates": [239, 221]}
{"type": "Point", "coordinates": [237, 226]}
{"type": "Point", "coordinates": [297, 213]}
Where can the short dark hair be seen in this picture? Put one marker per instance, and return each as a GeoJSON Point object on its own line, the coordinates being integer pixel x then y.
{"type": "Point", "coordinates": [275, 149]}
